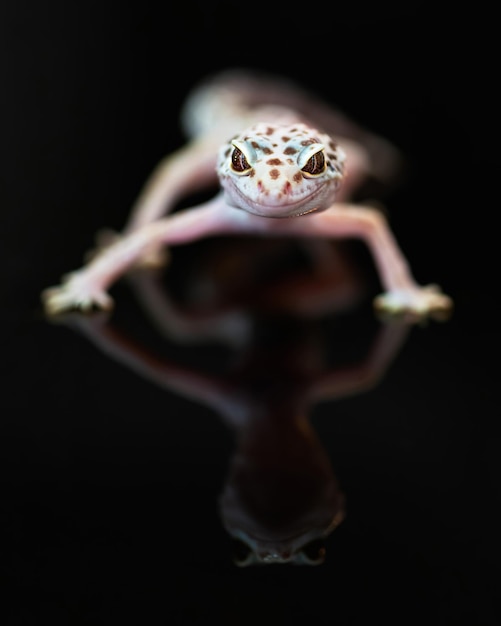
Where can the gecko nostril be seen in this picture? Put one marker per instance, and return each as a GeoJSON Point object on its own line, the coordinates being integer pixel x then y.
{"type": "Point", "coordinates": [287, 188]}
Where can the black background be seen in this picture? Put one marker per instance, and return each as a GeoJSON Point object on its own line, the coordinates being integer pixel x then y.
{"type": "Point", "coordinates": [110, 485]}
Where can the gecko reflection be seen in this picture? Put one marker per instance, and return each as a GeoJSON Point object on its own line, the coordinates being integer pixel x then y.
{"type": "Point", "coordinates": [281, 498]}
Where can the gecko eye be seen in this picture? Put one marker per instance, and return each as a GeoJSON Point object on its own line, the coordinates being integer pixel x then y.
{"type": "Point", "coordinates": [240, 157]}
{"type": "Point", "coordinates": [311, 160]}
{"type": "Point", "coordinates": [238, 161]}
{"type": "Point", "coordinates": [315, 164]}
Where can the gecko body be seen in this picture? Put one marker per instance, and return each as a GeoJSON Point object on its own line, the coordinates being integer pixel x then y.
{"type": "Point", "coordinates": [287, 164]}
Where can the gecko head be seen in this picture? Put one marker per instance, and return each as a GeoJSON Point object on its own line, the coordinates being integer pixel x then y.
{"type": "Point", "coordinates": [280, 170]}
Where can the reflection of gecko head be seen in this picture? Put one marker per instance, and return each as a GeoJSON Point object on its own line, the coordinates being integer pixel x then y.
{"type": "Point", "coordinates": [281, 498]}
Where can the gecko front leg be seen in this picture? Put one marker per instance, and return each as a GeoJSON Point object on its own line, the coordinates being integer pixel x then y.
{"type": "Point", "coordinates": [403, 294]}
{"type": "Point", "coordinates": [87, 287]}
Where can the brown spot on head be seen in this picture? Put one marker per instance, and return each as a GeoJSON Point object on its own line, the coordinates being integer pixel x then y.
{"type": "Point", "coordinates": [332, 145]}
{"type": "Point", "coordinates": [285, 139]}
{"type": "Point", "coordinates": [308, 142]}
{"type": "Point", "coordinates": [227, 152]}
{"type": "Point", "coordinates": [267, 150]}
{"type": "Point", "coordinates": [252, 173]}
{"type": "Point", "coordinates": [290, 161]}
{"type": "Point", "coordinates": [274, 162]}
{"type": "Point", "coordinates": [290, 150]}
{"type": "Point", "coordinates": [270, 130]}
{"type": "Point", "coordinates": [297, 178]}
{"type": "Point", "coordinates": [331, 155]}
{"type": "Point", "coordinates": [255, 145]}
{"type": "Point", "coordinates": [274, 174]}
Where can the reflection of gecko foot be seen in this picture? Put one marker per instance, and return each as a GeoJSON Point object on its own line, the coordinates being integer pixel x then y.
{"type": "Point", "coordinates": [75, 292]}
{"type": "Point", "coordinates": [93, 322]}
{"type": "Point", "coordinates": [418, 303]}
{"type": "Point", "coordinates": [154, 257]}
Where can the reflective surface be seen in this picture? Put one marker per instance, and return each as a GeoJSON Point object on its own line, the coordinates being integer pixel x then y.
{"type": "Point", "coordinates": [280, 497]}
{"type": "Point", "coordinates": [242, 440]}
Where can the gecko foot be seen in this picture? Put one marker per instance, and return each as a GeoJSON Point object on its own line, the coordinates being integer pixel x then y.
{"type": "Point", "coordinates": [155, 257]}
{"type": "Point", "coordinates": [75, 292]}
{"type": "Point", "coordinates": [419, 302]}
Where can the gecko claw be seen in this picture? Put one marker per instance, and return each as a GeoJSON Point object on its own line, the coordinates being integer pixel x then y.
{"type": "Point", "coordinates": [417, 303]}
{"type": "Point", "coordinates": [74, 293]}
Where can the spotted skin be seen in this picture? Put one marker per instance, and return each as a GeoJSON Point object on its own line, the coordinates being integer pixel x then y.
{"type": "Point", "coordinates": [276, 152]}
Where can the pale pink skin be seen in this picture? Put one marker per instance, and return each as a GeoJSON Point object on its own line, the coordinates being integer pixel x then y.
{"type": "Point", "coordinates": [269, 199]}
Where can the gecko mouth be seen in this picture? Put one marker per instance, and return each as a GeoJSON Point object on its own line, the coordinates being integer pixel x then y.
{"type": "Point", "coordinates": [279, 208]}
{"type": "Point", "coordinates": [313, 210]}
